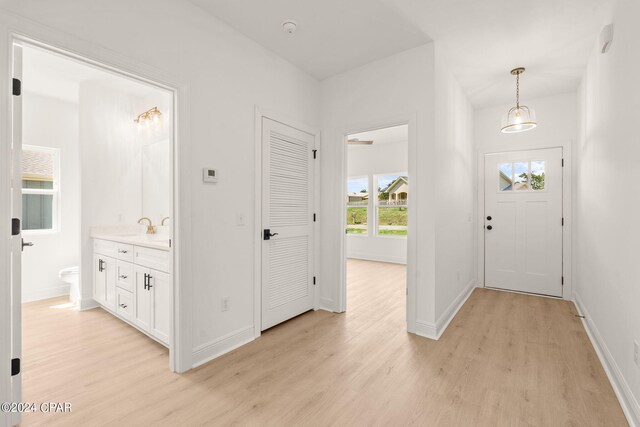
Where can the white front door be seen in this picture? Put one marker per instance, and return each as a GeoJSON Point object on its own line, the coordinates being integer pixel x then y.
{"type": "Point", "coordinates": [16, 238]}
{"type": "Point", "coordinates": [523, 221]}
{"type": "Point", "coordinates": [287, 222]}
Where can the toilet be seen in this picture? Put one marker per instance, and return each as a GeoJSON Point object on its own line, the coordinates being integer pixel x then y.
{"type": "Point", "coordinates": [71, 276]}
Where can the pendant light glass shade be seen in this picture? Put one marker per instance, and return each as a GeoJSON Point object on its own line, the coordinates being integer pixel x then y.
{"type": "Point", "coordinates": [519, 118]}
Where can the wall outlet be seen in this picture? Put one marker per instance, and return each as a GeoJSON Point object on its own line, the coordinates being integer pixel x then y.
{"type": "Point", "coordinates": [224, 304]}
{"type": "Point", "coordinates": [636, 353]}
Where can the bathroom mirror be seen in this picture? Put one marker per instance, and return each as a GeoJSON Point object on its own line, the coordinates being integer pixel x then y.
{"type": "Point", "coordinates": [156, 180]}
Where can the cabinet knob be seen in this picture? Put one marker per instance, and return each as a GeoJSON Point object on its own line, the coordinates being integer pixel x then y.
{"type": "Point", "coordinates": [123, 305]}
{"type": "Point", "coordinates": [122, 276]}
{"type": "Point", "coordinates": [122, 251]}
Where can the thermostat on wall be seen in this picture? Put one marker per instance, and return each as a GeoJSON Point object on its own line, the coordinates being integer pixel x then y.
{"type": "Point", "coordinates": [209, 175]}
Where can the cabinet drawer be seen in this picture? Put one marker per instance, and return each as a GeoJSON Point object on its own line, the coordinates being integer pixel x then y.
{"type": "Point", "coordinates": [124, 304]}
{"type": "Point", "coordinates": [125, 276]}
{"type": "Point", "coordinates": [125, 252]}
{"type": "Point", "coordinates": [152, 258]}
{"type": "Point", "coordinates": [105, 247]}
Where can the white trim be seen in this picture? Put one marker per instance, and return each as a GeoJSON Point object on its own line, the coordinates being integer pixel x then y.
{"type": "Point", "coordinates": [411, 121]}
{"type": "Point", "coordinates": [40, 294]}
{"type": "Point", "coordinates": [621, 388]}
{"type": "Point", "coordinates": [443, 321]}
{"type": "Point", "coordinates": [378, 258]}
{"type": "Point", "coordinates": [261, 113]}
{"type": "Point", "coordinates": [567, 213]}
{"type": "Point", "coordinates": [206, 352]}
{"type": "Point", "coordinates": [326, 304]}
{"type": "Point", "coordinates": [43, 37]}
{"type": "Point", "coordinates": [426, 329]}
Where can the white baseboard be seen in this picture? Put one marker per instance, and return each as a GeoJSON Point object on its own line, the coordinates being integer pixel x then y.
{"type": "Point", "coordinates": [443, 321]}
{"type": "Point", "coordinates": [426, 329]}
{"type": "Point", "coordinates": [628, 401]}
{"type": "Point", "coordinates": [327, 304]}
{"type": "Point", "coordinates": [435, 330]}
{"type": "Point", "coordinates": [46, 293]}
{"type": "Point", "coordinates": [209, 351]}
{"type": "Point", "coordinates": [378, 258]}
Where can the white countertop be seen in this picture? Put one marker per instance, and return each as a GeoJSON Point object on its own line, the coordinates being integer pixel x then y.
{"type": "Point", "coordinates": [155, 241]}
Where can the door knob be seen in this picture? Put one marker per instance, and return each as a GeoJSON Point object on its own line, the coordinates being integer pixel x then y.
{"type": "Point", "coordinates": [489, 227]}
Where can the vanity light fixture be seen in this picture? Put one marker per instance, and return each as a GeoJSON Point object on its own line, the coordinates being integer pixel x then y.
{"type": "Point", "coordinates": [151, 116]}
{"type": "Point", "coordinates": [519, 118]}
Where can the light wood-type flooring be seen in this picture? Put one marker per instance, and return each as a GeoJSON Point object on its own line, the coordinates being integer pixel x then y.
{"type": "Point", "coordinates": [506, 360]}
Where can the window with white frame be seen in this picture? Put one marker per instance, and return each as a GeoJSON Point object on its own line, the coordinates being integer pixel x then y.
{"type": "Point", "coordinates": [357, 205]}
{"type": "Point", "coordinates": [389, 205]}
{"type": "Point", "coordinates": [392, 204]}
{"type": "Point", "coordinates": [40, 188]}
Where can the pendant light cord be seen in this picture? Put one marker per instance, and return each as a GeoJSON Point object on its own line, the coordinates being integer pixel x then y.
{"type": "Point", "coordinates": [518, 91]}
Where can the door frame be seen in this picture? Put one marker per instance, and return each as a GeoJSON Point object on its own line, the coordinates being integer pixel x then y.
{"type": "Point", "coordinates": [567, 289]}
{"type": "Point", "coordinates": [27, 32]}
{"type": "Point", "coordinates": [411, 283]}
{"type": "Point", "coordinates": [261, 113]}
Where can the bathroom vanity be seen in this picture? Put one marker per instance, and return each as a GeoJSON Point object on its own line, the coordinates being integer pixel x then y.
{"type": "Point", "coordinates": [131, 280]}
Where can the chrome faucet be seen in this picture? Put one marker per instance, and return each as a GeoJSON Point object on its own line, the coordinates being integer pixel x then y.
{"type": "Point", "coordinates": [163, 220]}
{"type": "Point", "coordinates": [150, 228]}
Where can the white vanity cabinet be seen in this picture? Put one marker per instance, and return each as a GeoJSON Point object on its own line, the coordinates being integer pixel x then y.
{"type": "Point", "coordinates": [133, 283]}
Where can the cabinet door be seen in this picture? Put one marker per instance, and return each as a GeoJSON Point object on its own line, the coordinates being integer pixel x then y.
{"type": "Point", "coordinates": [111, 279]}
{"type": "Point", "coordinates": [160, 305]}
{"type": "Point", "coordinates": [99, 279]}
{"type": "Point", "coordinates": [142, 299]}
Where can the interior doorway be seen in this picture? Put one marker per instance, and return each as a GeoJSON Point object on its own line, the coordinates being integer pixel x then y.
{"type": "Point", "coordinates": [93, 202]}
{"type": "Point", "coordinates": [523, 221]}
{"type": "Point", "coordinates": [376, 212]}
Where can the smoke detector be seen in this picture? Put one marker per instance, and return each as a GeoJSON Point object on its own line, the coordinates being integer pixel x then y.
{"type": "Point", "coordinates": [289, 26]}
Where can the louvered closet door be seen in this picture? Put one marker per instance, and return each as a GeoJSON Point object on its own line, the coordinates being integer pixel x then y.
{"type": "Point", "coordinates": [287, 211]}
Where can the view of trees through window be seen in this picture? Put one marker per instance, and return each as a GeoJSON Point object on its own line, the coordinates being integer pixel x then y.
{"type": "Point", "coordinates": [390, 205]}
{"type": "Point", "coordinates": [39, 188]}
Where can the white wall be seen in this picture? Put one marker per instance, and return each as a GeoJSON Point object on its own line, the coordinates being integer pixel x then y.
{"type": "Point", "coordinates": [49, 122]}
{"type": "Point", "coordinates": [607, 203]}
{"type": "Point", "coordinates": [380, 94]}
{"type": "Point", "coordinates": [369, 161]}
{"type": "Point", "coordinates": [225, 75]}
{"type": "Point", "coordinates": [455, 184]}
{"type": "Point", "coordinates": [557, 127]}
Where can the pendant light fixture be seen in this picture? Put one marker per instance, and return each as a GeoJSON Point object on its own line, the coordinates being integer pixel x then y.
{"type": "Point", "coordinates": [519, 118]}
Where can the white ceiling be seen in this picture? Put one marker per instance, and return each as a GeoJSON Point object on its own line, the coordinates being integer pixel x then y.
{"type": "Point", "coordinates": [332, 36]}
{"type": "Point", "coordinates": [392, 135]}
{"type": "Point", "coordinates": [483, 39]}
{"type": "Point", "coordinates": [54, 76]}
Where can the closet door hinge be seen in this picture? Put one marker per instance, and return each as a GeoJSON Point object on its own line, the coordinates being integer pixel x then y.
{"type": "Point", "coordinates": [563, 221]}
{"type": "Point", "coordinates": [15, 367]}
{"type": "Point", "coordinates": [314, 217]}
{"type": "Point", "coordinates": [562, 162]}
{"type": "Point", "coordinates": [17, 87]}
{"type": "Point", "coordinates": [315, 153]}
{"type": "Point", "coordinates": [314, 280]}
{"type": "Point", "coordinates": [562, 280]}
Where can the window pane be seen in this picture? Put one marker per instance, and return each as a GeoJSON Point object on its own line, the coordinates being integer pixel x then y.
{"type": "Point", "coordinates": [521, 176]}
{"type": "Point", "coordinates": [44, 185]}
{"type": "Point", "coordinates": [505, 170]}
{"type": "Point", "coordinates": [37, 211]}
{"type": "Point", "coordinates": [537, 175]}
{"type": "Point", "coordinates": [357, 202]}
{"type": "Point", "coordinates": [393, 202]}
{"type": "Point", "coordinates": [392, 221]}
